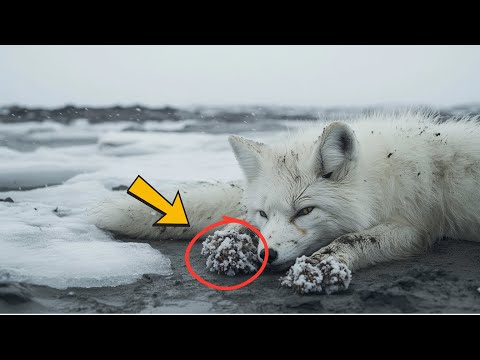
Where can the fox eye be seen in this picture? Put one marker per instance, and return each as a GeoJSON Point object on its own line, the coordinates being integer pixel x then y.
{"type": "Point", "coordinates": [262, 214]}
{"type": "Point", "coordinates": [305, 211]}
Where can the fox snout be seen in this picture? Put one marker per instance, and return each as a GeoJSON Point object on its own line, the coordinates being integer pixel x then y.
{"type": "Point", "coordinates": [272, 255]}
{"type": "Point", "coordinates": [274, 263]}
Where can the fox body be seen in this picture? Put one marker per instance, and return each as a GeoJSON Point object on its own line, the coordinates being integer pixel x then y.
{"type": "Point", "coordinates": [378, 188]}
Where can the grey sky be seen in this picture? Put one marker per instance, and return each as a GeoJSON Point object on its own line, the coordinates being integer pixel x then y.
{"type": "Point", "coordinates": [230, 75]}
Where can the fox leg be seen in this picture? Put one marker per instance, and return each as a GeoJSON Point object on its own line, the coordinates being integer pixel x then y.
{"type": "Point", "coordinates": [329, 269]}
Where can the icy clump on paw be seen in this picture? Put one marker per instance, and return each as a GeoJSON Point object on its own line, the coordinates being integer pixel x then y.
{"type": "Point", "coordinates": [310, 276]}
{"type": "Point", "coordinates": [230, 252]}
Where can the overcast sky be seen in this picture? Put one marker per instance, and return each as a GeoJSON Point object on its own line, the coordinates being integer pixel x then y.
{"type": "Point", "coordinates": [245, 75]}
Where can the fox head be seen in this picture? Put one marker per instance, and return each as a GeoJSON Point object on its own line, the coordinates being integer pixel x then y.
{"type": "Point", "coordinates": [297, 193]}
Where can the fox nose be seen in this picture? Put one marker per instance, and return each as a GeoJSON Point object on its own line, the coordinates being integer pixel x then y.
{"type": "Point", "coordinates": [272, 255]}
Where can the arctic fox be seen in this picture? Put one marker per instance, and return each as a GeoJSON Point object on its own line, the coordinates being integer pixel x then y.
{"type": "Point", "coordinates": [335, 197]}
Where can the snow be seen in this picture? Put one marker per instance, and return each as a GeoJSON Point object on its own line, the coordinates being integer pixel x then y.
{"type": "Point", "coordinates": [45, 237]}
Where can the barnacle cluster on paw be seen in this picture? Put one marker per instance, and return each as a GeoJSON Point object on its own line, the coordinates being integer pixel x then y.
{"type": "Point", "coordinates": [336, 275]}
{"type": "Point", "coordinates": [304, 277]}
{"type": "Point", "coordinates": [230, 253]}
{"type": "Point", "coordinates": [312, 276]}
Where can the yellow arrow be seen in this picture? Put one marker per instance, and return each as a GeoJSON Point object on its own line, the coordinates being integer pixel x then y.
{"type": "Point", "coordinates": [173, 214]}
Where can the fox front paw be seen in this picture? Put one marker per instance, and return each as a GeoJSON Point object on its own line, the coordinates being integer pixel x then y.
{"type": "Point", "coordinates": [230, 253]}
{"type": "Point", "coordinates": [309, 275]}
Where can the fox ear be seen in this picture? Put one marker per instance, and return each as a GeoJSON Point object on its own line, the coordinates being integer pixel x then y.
{"type": "Point", "coordinates": [248, 154]}
{"type": "Point", "coordinates": [336, 150]}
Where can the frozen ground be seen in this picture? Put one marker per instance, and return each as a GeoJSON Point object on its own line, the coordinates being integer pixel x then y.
{"type": "Point", "coordinates": [55, 164]}
{"type": "Point", "coordinates": [442, 281]}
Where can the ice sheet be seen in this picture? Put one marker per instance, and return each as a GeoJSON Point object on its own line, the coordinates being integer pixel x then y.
{"type": "Point", "coordinates": [45, 237]}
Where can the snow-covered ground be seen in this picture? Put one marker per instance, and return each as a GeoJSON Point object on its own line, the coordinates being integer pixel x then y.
{"type": "Point", "coordinates": [55, 172]}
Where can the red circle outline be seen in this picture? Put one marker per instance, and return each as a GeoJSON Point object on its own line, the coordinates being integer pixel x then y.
{"type": "Point", "coordinates": [226, 220]}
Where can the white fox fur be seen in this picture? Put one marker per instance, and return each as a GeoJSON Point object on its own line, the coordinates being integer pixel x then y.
{"type": "Point", "coordinates": [381, 187]}
{"type": "Point", "coordinates": [205, 203]}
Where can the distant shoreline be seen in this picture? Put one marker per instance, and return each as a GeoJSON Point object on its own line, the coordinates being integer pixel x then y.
{"type": "Point", "coordinates": [66, 114]}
